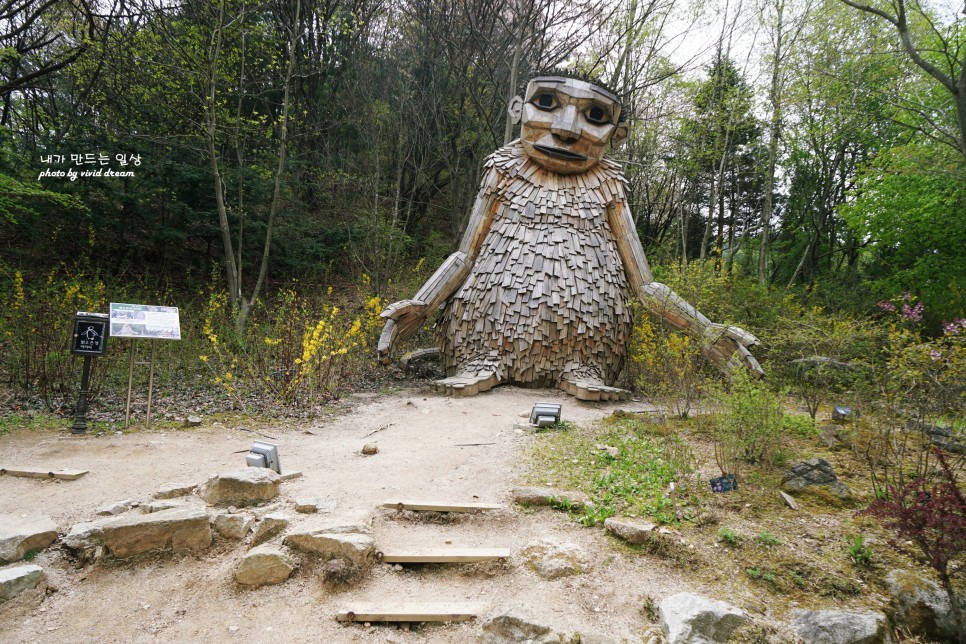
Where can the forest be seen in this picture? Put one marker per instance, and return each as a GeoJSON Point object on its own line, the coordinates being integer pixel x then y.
{"type": "Point", "coordinates": [282, 169]}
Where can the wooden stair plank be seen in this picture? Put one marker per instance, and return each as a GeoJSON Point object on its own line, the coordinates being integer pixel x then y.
{"type": "Point", "coordinates": [444, 555]}
{"type": "Point", "coordinates": [429, 506]}
{"type": "Point", "coordinates": [40, 473]}
{"type": "Point", "coordinates": [408, 612]}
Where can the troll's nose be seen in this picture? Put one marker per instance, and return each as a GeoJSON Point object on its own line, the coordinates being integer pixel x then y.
{"type": "Point", "coordinates": [565, 124]}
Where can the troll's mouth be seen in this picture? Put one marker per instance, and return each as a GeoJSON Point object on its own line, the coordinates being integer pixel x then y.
{"type": "Point", "coordinates": [560, 153]}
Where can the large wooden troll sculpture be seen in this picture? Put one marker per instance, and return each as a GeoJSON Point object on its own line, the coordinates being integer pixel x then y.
{"type": "Point", "coordinates": [539, 292]}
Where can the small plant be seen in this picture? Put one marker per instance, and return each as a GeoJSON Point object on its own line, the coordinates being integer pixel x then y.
{"type": "Point", "coordinates": [649, 609]}
{"type": "Point", "coordinates": [30, 555]}
{"type": "Point", "coordinates": [560, 503]}
{"type": "Point", "coordinates": [799, 425]}
{"type": "Point", "coordinates": [768, 539]}
{"type": "Point", "coordinates": [859, 552]}
{"type": "Point", "coordinates": [754, 573]}
{"type": "Point", "coordinates": [797, 577]}
{"type": "Point", "coordinates": [596, 514]}
{"type": "Point", "coordinates": [728, 536]}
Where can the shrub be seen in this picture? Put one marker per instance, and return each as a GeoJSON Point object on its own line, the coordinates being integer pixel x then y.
{"type": "Point", "coordinates": [932, 517]}
{"type": "Point", "coordinates": [751, 425]}
{"type": "Point", "coordinates": [667, 365]}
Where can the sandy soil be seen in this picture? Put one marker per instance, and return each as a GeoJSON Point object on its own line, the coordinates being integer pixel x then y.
{"type": "Point", "coordinates": [195, 599]}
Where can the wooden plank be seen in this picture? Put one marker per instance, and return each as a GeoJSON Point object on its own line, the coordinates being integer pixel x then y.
{"type": "Point", "coordinates": [408, 612]}
{"type": "Point", "coordinates": [428, 506]}
{"type": "Point", "coordinates": [444, 555]}
{"type": "Point", "coordinates": [40, 473]}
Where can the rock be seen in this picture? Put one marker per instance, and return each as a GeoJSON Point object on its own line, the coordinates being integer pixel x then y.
{"type": "Point", "coordinates": [250, 486]}
{"type": "Point", "coordinates": [161, 506]}
{"type": "Point", "coordinates": [614, 452]}
{"type": "Point", "coordinates": [20, 535]}
{"type": "Point", "coordinates": [231, 525]}
{"type": "Point", "coordinates": [369, 449]}
{"type": "Point", "coordinates": [946, 438]}
{"type": "Point", "coordinates": [313, 505]}
{"type": "Point", "coordinates": [269, 527]}
{"type": "Point", "coordinates": [840, 627]}
{"type": "Point", "coordinates": [789, 501]}
{"type": "Point", "coordinates": [659, 539]}
{"type": "Point", "coordinates": [834, 437]}
{"type": "Point", "coordinates": [550, 496]}
{"type": "Point", "coordinates": [690, 618]}
{"type": "Point", "coordinates": [264, 565]}
{"type": "Point", "coordinates": [631, 530]}
{"type": "Point", "coordinates": [815, 473]}
{"type": "Point", "coordinates": [515, 626]}
{"type": "Point", "coordinates": [192, 421]}
{"type": "Point", "coordinates": [339, 571]}
{"type": "Point", "coordinates": [134, 534]}
{"type": "Point", "coordinates": [921, 606]}
{"type": "Point", "coordinates": [553, 561]}
{"type": "Point", "coordinates": [174, 491]}
{"type": "Point", "coordinates": [113, 509]}
{"type": "Point", "coordinates": [358, 549]}
{"type": "Point", "coordinates": [16, 579]}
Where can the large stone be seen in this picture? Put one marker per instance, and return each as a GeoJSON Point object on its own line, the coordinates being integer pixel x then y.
{"type": "Point", "coordinates": [692, 619]}
{"type": "Point", "coordinates": [550, 496]}
{"type": "Point", "coordinates": [250, 486]}
{"type": "Point", "coordinates": [630, 530]}
{"type": "Point", "coordinates": [356, 548]}
{"type": "Point", "coordinates": [232, 525]}
{"type": "Point", "coordinates": [183, 529]}
{"type": "Point", "coordinates": [921, 606]}
{"type": "Point", "coordinates": [115, 508]}
{"type": "Point", "coordinates": [269, 527]}
{"type": "Point", "coordinates": [175, 490]}
{"type": "Point", "coordinates": [20, 535]}
{"type": "Point", "coordinates": [264, 565]}
{"type": "Point", "coordinates": [515, 626]}
{"type": "Point", "coordinates": [841, 627]}
{"type": "Point", "coordinates": [815, 473]}
{"type": "Point", "coordinates": [16, 579]}
{"type": "Point", "coordinates": [161, 506]}
{"type": "Point", "coordinates": [947, 438]}
{"type": "Point", "coordinates": [553, 560]}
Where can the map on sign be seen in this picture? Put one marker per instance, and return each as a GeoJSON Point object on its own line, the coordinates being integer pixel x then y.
{"type": "Point", "coordinates": [145, 321]}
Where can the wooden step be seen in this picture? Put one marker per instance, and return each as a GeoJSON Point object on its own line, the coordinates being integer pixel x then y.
{"type": "Point", "coordinates": [408, 612]}
{"type": "Point", "coordinates": [423, 506]}
{"type": "Point", "coordinates": [40, 473]}
{"type": "Point", "coordinates": [443, 555]}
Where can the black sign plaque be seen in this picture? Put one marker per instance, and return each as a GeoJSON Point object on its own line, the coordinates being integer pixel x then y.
{"type": "Point", "coordinates": [90, 334]}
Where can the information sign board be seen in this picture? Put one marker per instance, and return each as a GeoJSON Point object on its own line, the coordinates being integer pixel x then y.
{"type": "Point", "coordinates": [145, 321]}
{"type": "Point", "coordinates": [90, 334]}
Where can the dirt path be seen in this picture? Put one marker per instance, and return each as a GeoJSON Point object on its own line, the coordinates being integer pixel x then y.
{"type": "Point", "coordinates": [188, 598]}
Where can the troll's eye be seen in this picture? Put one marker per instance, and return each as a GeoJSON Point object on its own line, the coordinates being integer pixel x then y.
{"type": "Point", "coordinates": [545, 101]}
{"type": "Point", "coordinates": [597, 115]}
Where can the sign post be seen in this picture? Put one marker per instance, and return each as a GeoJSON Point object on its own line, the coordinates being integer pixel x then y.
{"type": "Point", "coordinates": [90, 340]}
{"type": "Point", "coordinates": [138, 321]}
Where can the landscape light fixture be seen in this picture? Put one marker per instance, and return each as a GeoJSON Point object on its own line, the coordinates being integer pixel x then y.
{"type": "Point", "coordinates": [545, 414]}
{"type": "Point", "coordinates": [264, 454]}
